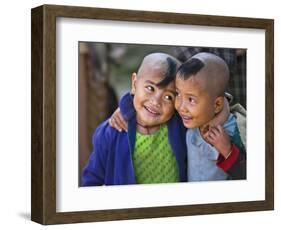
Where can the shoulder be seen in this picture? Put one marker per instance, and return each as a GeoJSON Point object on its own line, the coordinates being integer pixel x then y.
{"type": "Point", "coordinates": [230, 125]}
{"type": "Point", "coordinates": [126, 106]}
{"type": "Point", "coordinates": [104, 132]}
{"type": "Point", "coordinates": [233, 131]}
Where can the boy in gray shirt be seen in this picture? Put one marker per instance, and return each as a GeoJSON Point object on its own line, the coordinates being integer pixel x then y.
{"type": "Point", "coordinates": [200, 84]}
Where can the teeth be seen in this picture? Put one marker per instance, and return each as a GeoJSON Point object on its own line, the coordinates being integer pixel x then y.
{"type": "Point", "coordinates": [186, 118]}
{"type": "Point", "coordinates": [151, 110]}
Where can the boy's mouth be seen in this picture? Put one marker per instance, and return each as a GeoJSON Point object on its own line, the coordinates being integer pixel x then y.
{"type": "Point", "coordinates": [186, 118]}
{"type": "Point", "coordinates": [151, 111]}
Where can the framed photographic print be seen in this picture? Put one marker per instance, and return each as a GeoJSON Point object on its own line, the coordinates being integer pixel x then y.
{"type": "Point", "coordinates": [82, 62]}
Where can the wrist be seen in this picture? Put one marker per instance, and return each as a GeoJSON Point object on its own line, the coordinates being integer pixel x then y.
{"type": "Point", "coordinates": [227, 152]}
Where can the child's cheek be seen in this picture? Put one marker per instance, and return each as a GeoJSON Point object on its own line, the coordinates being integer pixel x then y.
{"type": "Point", "coordinates": [177, 104]}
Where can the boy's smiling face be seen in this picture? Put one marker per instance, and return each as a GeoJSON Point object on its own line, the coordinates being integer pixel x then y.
{"type": "Point", "coordinates": [154, 105]}
{"type": "Point", "coordinates": [194, 103]}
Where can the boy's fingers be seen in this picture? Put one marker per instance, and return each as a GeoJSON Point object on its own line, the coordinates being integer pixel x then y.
{"type": "Point", "coordinates": [113, 124]}
{"type": "Point", "coordinates": [118, 122]}
{"type": "Point", "coordinates": [220, 128]}
{"type": "Point", "coordinates": [206, 138]}
{"type": "Point", "coordinates": [216, 130]}
{"type": "Point", "coordinates": [126, 127]}
{"type": "Point", "coordinates": [205, 129]}
{"type": "Point", "coordinates": [123, 123]}
{"type": "Point", "coordinates": [113, 121]}
{"type": "Point", "coordinates": [209, 139]}
{"type": "Point", "coordinates": [205, 135]}
{"type": "Point", "coordinates": [212, 132]}
{"type": "Point", "coordinates": [211, 136]}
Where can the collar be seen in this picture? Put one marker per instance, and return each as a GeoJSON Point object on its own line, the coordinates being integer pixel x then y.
{"type": "Point", "coordinates": [229, 126]}
{"type": "Point", "coordinates": [196, 137]}
{"type": "Point", "coordinates": [202, 146]}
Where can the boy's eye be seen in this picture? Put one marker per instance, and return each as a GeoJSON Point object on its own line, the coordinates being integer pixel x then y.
{"type": "Point", "coordinates": [191, 100]}
{"type": "Point", "coordinates": [177, 94]}
{"type": "Point", "coordinates": [168, 97]}
{"type": "Point", "coordinates": [149, 88]}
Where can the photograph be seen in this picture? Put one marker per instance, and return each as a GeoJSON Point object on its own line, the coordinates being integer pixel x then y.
{"type": "Point", "coordinates": [161, 114]}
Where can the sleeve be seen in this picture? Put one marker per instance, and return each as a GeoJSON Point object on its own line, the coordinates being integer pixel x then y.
{"type": "Point", "coordinates": [94, 171]}
{"type": "Point", "coordinates": [126, 106]}
{"type": "Point", "coordinates": [235, 164]}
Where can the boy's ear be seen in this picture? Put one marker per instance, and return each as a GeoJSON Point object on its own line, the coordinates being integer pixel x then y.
{"type": "Point", "coordinates": [134, 81]}
{"type": "Point", "coordinates": [219, 102]}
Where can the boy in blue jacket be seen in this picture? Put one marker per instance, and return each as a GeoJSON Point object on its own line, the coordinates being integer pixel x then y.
{"type": "Point", "coordinates": [154, 149]}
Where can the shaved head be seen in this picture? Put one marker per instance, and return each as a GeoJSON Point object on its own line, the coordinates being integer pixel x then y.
{"type": "Point", "coordinates": [160, 62]}
{"type": "Point", "coordinates": [209, 69]}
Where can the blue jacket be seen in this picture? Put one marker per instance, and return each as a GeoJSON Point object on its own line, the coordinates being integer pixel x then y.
{"type": "Point", "coordinates": [111, 160]}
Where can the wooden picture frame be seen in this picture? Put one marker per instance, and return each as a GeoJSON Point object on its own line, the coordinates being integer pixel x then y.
{"type": "Point", "coordinates": [43, 207]}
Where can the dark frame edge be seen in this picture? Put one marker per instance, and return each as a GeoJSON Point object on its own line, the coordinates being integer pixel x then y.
{"type": "Point", "coordinates": [154, 16]}
{"type": "Point", "coordinates": [43, 157]}
{"type": "Point", "coordinates": [157, 212]}
{"type": "Point", "coordinates": [269, 103]}
{"type": "Point", "coordinates": [37, 204]}
{"type": "Point", "coordinates": [43, 110]}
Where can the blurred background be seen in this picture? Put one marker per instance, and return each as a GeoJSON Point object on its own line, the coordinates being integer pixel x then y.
{"type": "Point", "coordinates": [105, 75]}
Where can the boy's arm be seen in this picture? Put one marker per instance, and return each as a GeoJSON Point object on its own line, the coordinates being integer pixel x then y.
{"type": "Point", "coordinates": [235, 164]}
{"type": "Point", "coordinates": [119, 119]}
{"type": "Point", "coordinates": [232, 159]}
{"type": "Point", "coordinates": [94, 171]}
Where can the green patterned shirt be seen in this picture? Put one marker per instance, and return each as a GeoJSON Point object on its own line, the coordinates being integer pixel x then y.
{"type": "Point", "coordinates": [153, 158]}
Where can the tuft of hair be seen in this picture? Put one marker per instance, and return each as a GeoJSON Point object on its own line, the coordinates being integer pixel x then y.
{"type": "Point", "coordinates": [214, 69]}
{"type": "Point", "coordinates": [191, 67]}
{"type": "Point", "coordinates": [168, 64]}
{"type": "Point", "coordinates": [169, 72]}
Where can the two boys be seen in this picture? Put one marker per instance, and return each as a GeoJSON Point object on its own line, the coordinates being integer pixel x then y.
{"type": "Point", "coordinates": [155, 148]}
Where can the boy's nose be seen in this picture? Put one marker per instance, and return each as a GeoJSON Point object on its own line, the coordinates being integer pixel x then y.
{"type": "Point", "coordinates": [155, 101]}
{"type": "Point", "coordinates": [183, 107]}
